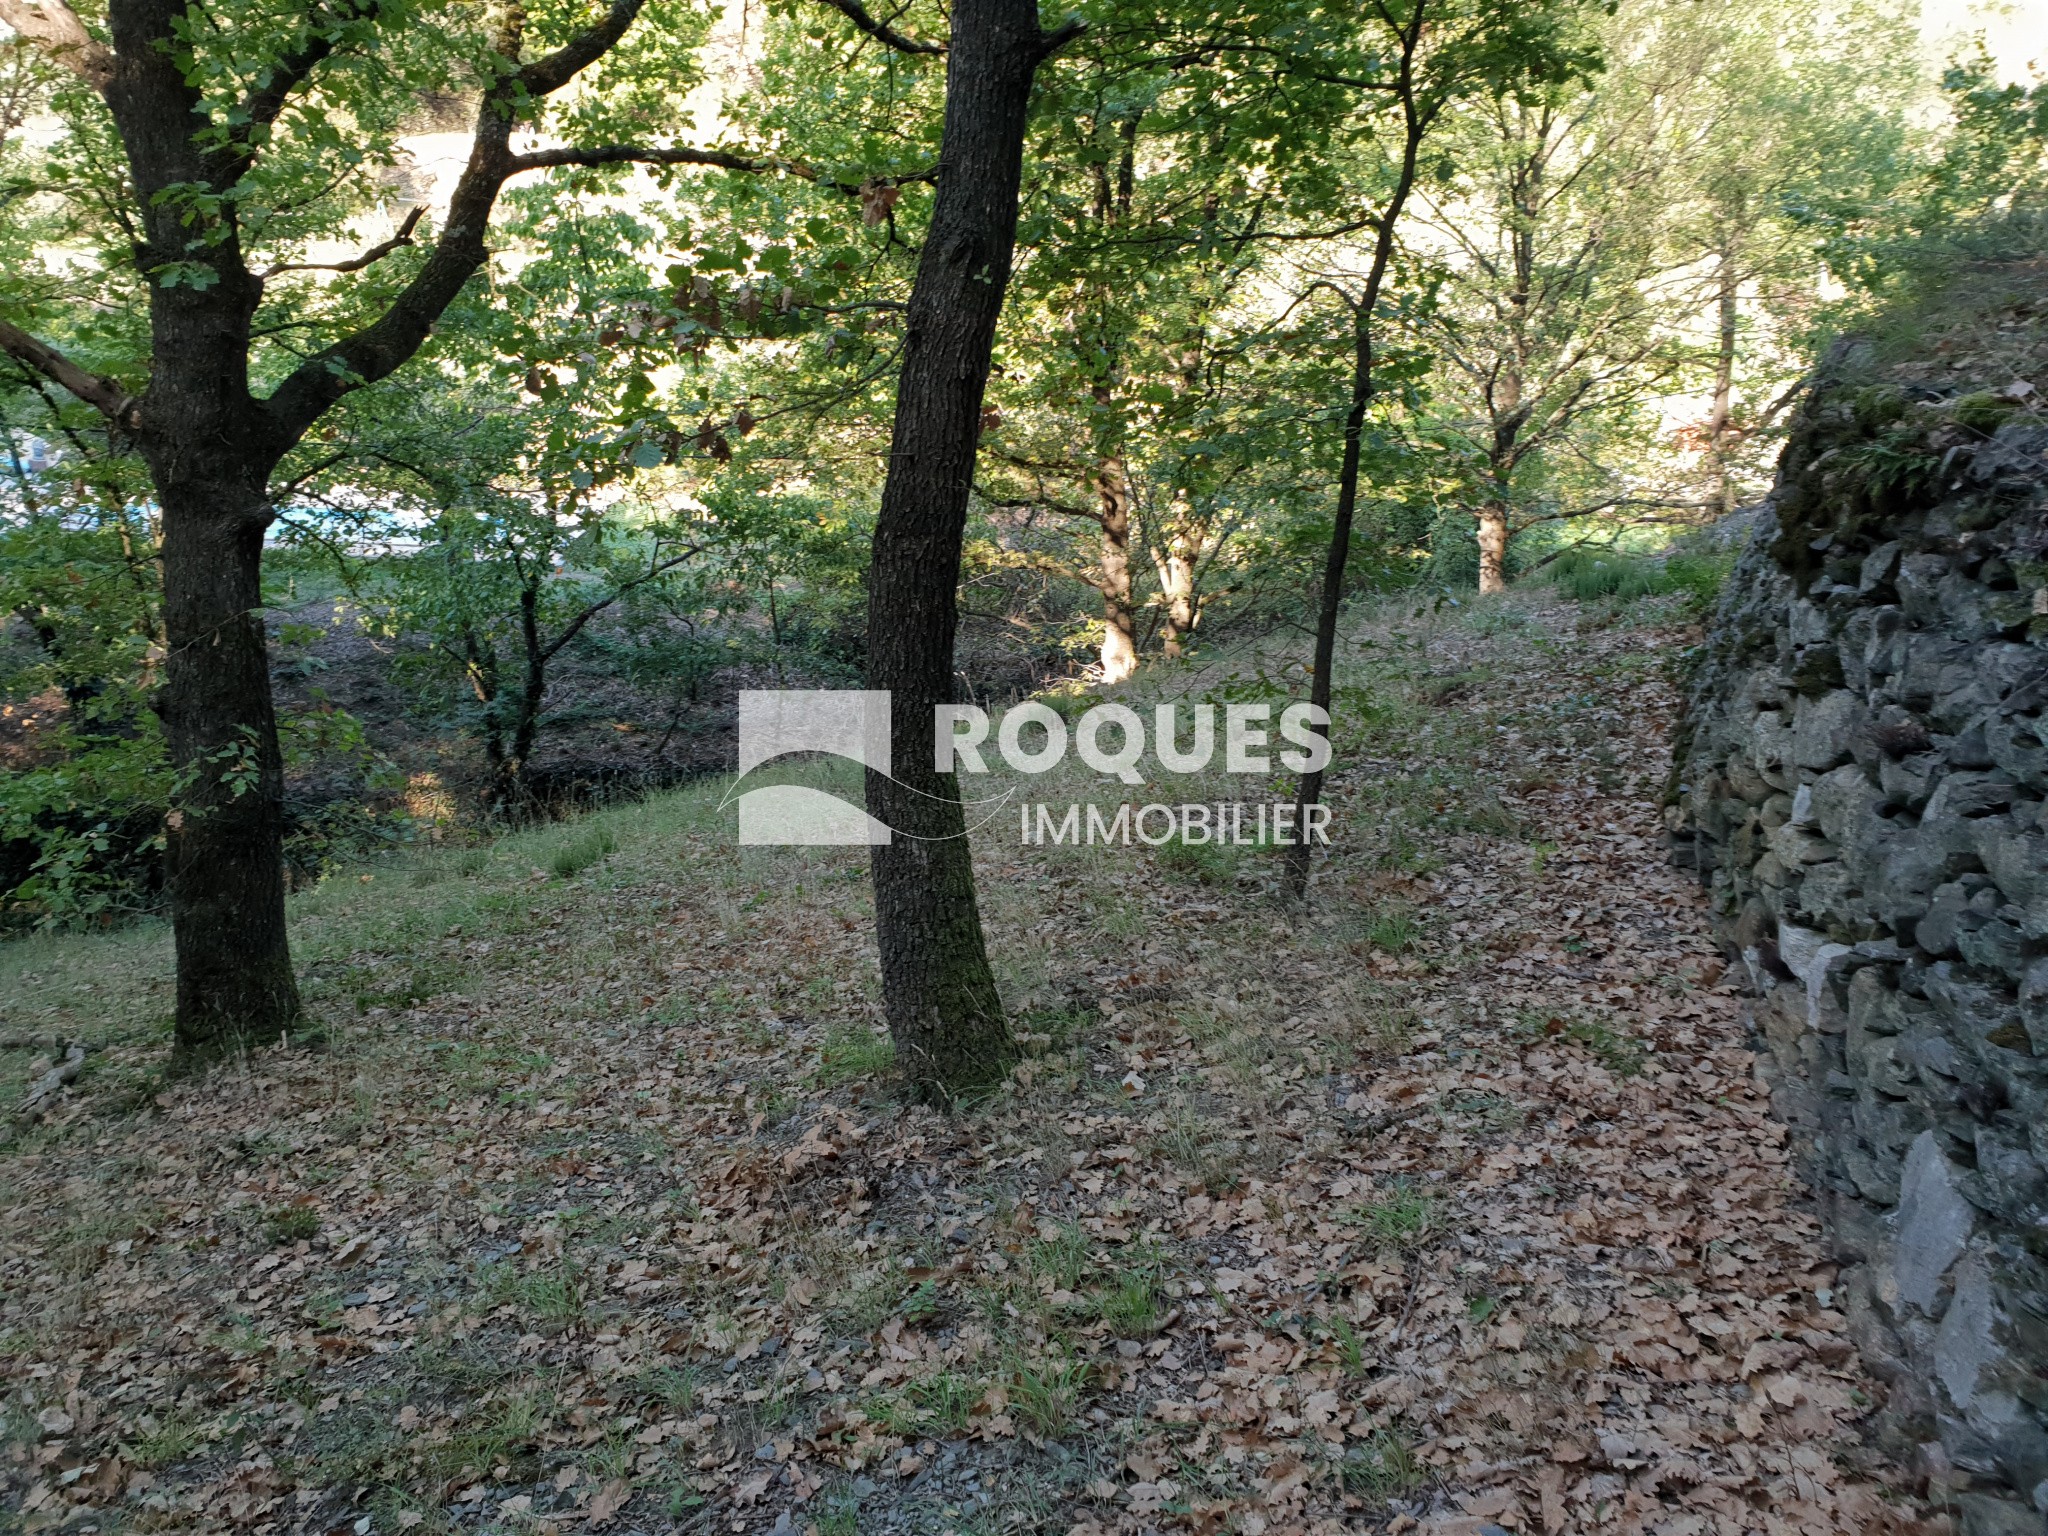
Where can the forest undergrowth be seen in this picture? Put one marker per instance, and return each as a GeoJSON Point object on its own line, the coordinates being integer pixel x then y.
{"type": "Point", "coordinates": [1450, 1206]}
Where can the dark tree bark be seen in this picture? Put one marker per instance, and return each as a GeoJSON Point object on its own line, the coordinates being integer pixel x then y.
{"type": "Point", "coordinates": [223, 846]}
{"type": "Point", "coordinates": [951, 1036]}
{"type": "Point", "coordinates": [212, 446]}
{"type": "Point", "coordinates": [1416, 117]}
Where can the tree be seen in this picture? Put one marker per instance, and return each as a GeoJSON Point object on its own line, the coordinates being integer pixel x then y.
{"type": "Point", "coordinates": [1802, 120]}
{"type": "Point", "coordinates": [1078, 353]}
{"type": "Point", "coordinates": [944, 1013]}
{"type": "Point", "coordinates": [234, 132]}
{"type": "Point", "coordinates": [505, 582]}
{"type": "Point", "coordinates": [1558, 319]}
{"type": "Point", "coordinates": [1611, 243]}
{"type": "Point", "coordinates": [1180, 143]}
{"type": "Point", "coordinates": [1420, 57]}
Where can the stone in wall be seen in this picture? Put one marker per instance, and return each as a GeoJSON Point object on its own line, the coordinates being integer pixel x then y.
{"type": "Point", "coordinates": [1861, 783]}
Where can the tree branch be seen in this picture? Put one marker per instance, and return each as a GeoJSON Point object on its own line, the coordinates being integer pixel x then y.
{"type": "Point", "coordinates": [265, 101]}
{"type": "Point", "coordinates": [354, 264]}
{"type": "Point", "coordinates": [545, 76]}
{"type": "Point", "coordinates": [638, 154]}
{"type": "Point", "coordinates": [716, 159]}
{"type": "Point", "coordinates": [881, 31]}
{"type": "Point", "coordinates": [575, 626]}
{"type": "Point", "coordinates": [1052, 42]}
{"type": "Point", "coordinates": [386, 343]}
{"type": "Point", "coordinates": [103, 394]}
{"type": "Point", "coordinates": [55, 28]}
{"type": "Point", "coordinates": [1038, 504]}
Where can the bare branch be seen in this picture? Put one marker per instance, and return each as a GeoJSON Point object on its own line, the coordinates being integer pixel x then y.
{"type": "Point", "coordinates": [103, 394]}
{"type": "Point", "coordinates": [357, 263]}
{"type": "Point", "coordinates": [881, 31]}
{"type": "Point", "coordinates": [55, 28]}
{"type": "Point", "coordinates": [1039, 504]}
{"type": "Point", "coordinates": [716, 159]}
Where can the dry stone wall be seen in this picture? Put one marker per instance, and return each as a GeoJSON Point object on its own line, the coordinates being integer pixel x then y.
{"type": "Point", "coordinates": [1862, 784]}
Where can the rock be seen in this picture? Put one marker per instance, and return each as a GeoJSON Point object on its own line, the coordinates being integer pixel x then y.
{"type": "Point", "coordinates": [2033, 1000]}
{"type": "Point", "coordinates": [1824, 727]}
{"type": "Point", "coordinates": [49, 1086]}
{"type": "Point", "coordinates": [1998, 944]}
{"type": "Point", "coordinates": [1968, 610]}
{"type": "Point", "coordinates": [1983, 1515]}
{"type": "Point", "coordinates": [1919, 584]}
{"type": "Point", "coordinates": [1878, 566]}
{"type": "Point", "coordinates": [1795, 845]}
{"type": "Point", "coordinates": [1969, 747]}
{"type": "Point", "coordinates": [2015, 748]}
{"type": "Point", "coordinates": [1844, 804]}
{"type": "Point", "coordinates": [1867, 730]}
{"type": "Point", "coordinates": [1810, 957]}
{"type": "Point", "coordinates": [1935, 1223]}
{"type": "Point", "coordinates": [1967, 1348]}
{"type": "Point", "coordinates": [1936, 932]}
{"type": "Point", "coordinates": [1771, 749]}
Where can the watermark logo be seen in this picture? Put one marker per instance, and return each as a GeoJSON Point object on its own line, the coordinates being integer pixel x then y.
{"type": "Point", "coordinates": [848, 723]}
{"type": "Point", "coordinates": [1033, 738]}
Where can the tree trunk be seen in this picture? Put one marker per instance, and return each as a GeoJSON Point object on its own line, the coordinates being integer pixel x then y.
{"type": "Point", "coordinates": [1113, 579]}
{"type": "Point", "coordinates": [512, 794]}
{"type": "Point", "coordinates": [944, 1014]}
{"type": "Point", "coordinates": [1415, 125]}
{"type": "Point", "coordinates": [1493, 547]}
{"type": "Point", "coordinates": [1723, 409]}
{"type": "Point", "coordinates": [1311, 789]}
{"type": "Point", "coordinates": [1176, 568]}
{"type": "Point", "coordinates": [224, 848]}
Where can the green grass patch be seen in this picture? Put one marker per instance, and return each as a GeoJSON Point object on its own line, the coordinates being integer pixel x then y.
{"type": "Point", "coordinates": [1382, 1467]}
{"type": "Point", "coordinates": [291, 1224]}
{"type": "Point", "coordinates": [1134, 1306]}
{"type": "Point", "coordinates": [1392, 929]}
{"type": "Point", "coordinates": [937, 1405]}
{"type": "Point", "coordinates": [556, 1298]}
{"type": "Point", "coordinates": [851, 1051]}
{"type": "Point", "coordinates": [1621, 1054]}
{"type": "Point", "coordinates": [166, 1439]}
{"type": "Point", "coordinates": [592, 846]}
{"type": "Point", "coordinates": [1402, 1219]}
{"type": "Point", "coordinates": [1046, 1394]}
{"type": "Point", "coordinates": [1060, 1260]}
{"type": "Point", "coordinates": [1591, 574]}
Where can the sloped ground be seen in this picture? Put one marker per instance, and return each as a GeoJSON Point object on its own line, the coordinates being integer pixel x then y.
{"type": "Point", "coordinates": [1453, 1206]}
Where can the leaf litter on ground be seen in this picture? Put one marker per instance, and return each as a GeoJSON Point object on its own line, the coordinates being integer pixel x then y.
{"type": "Point", "coordinates": [1452, 1204]}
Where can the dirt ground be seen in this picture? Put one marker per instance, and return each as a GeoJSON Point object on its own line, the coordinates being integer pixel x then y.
{"type": "Point", "coordinates": [1450, 1206]}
